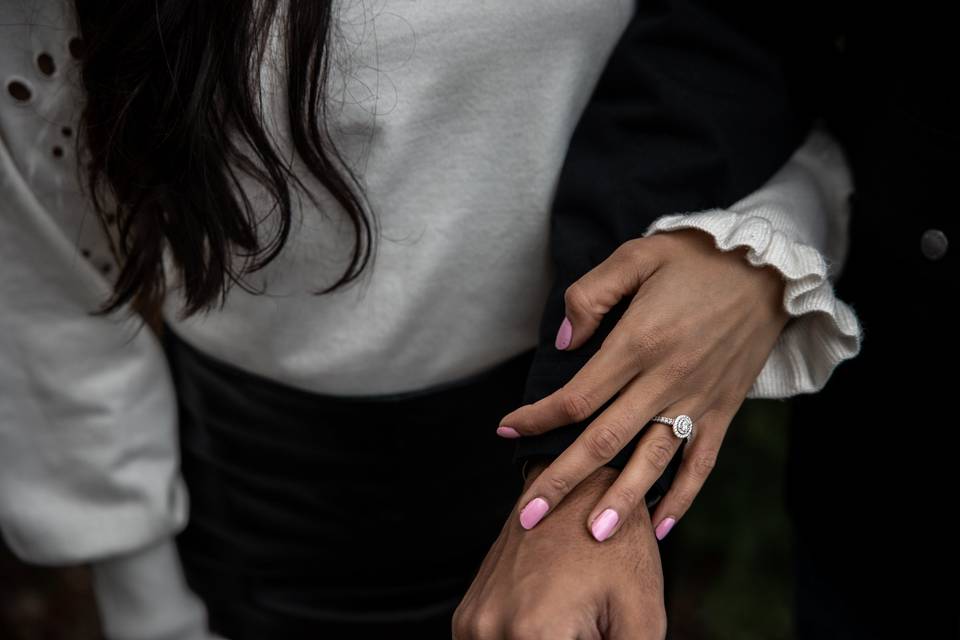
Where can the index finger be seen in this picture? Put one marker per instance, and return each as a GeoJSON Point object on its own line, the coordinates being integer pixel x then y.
{"type": "Point", "coordinates": [598, 444]}
{"type": "Point", "coordinates": [607, 371]}
{"type": "Point", "coordinates": [619, 360]}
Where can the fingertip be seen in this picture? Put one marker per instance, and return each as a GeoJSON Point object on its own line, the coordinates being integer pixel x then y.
{"type": "Point", "coordinates": [507, 424]}
{"type": "Point", "coordinates": [603, 525]}
{"type": "Point", "coordinates": [664, 527]}
{"type": "Point", "coordinates": [533, 513]}
{"type": "Point", "coordinates": [564, 334]}
{"type": "Point", "coordinates": [507, 432]}
{"type": "Point", "coordinates": [525, 421]}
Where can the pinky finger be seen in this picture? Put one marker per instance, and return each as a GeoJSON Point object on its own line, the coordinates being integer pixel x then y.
{"type": "Point", "coordinates": [699, 459]}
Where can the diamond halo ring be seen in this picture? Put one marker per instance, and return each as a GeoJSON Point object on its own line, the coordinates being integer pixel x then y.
{"type": "Point", "coordinates": [682, 425]}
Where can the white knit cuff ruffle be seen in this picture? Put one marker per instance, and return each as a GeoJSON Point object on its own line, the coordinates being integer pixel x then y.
{"type": "Point", "coordinates": [823, 330]}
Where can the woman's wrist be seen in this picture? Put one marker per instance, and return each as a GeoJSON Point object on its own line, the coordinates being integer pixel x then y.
{"type": "Point", "coordinates": [142, 595]}
{"type": "Point", "coordinates": [766, 283]}
{"type": "Point", "coordinates": [811, 344]}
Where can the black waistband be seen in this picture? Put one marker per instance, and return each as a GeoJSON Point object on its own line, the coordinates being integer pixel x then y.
{"type": "Point", "coordinates": [311, 506]}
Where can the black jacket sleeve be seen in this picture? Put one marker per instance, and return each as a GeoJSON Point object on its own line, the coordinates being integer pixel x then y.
{"type": "Point", "coordinates": [693, 111]}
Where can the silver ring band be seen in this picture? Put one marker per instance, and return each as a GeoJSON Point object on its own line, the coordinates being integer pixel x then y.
{"type": "Point", "coordinates": [682, 425]}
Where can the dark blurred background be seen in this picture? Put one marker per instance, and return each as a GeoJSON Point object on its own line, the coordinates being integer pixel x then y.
{"type": "Point", "coordinates": [727, 563]}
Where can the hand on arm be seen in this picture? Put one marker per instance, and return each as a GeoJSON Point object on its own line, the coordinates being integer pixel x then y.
{"type": "Point", "coordinates": [557, 583]}
{"type": "Point", "coordinates": [710, 294]}
{"type": "Point", "coordinates": [700, 325]}
{"type": "Point", "coordinates": [697, 108]}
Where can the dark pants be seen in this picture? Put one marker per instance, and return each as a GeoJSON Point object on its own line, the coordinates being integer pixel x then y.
{"type": "Point", "coordinates": [333, 517]}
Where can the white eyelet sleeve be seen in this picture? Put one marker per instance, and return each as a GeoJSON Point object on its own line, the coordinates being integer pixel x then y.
{"type": "Point", "coordinates": [797, 223]}
{"type": "Point", "coordinates": [88, 450]}
{"type": "Point", "coordinates": [89, 462]}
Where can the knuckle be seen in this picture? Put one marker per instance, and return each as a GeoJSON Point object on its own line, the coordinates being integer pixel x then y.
{"type": "Point", "coordinates": [460, 625]}
{"type": "Point", "coordinates": [662, 241]}
{"type": "Point", "coordinates": [631, 246]}
{"type": "Point", "coordinates": [703, 463]}
{"type": "Point", "coordinates": [558, 485]}
{"type": "Point", "coordinates": [628, 496]}
{"type": "Point", "coordinates": [603, 442]}
{"type": "Point", "coordinates": [576, 297]}
{"type": "Point", "coordinates": [483, 624]}
{"type": "Point", "coordinates": [638, 245]}
{"type": "Point", "coordinates": [523, 629]}
{"type": "Point", "coordinates": [659, 452]}
{"type": "Point", "coordinates": [632, 250]}
{"type": "Point", "coordinates": [680, 500]}
{"type": "Point", "coordinates": [528, 627]}
{"type": "Point", "coordinates": [575, 405]}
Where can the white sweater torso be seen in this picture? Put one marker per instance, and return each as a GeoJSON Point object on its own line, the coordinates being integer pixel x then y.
{"type": "Point", "coordinates": [457, 116]}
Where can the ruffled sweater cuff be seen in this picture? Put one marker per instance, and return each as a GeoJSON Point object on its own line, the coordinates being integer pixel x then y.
{"type": "Point", "coordinates": [805, 204]}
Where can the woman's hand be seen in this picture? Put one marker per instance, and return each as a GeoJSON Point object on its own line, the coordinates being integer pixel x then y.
{"type": "Point", "coordinates": [695, 336]}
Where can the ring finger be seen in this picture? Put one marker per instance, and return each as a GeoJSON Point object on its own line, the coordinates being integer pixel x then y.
{"type": "Point", "coordinates": [647, 463]}
{"type": "Point", "coordinates": [610, 432]}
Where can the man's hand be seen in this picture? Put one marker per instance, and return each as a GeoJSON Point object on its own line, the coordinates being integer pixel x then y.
{"type": "Point", "coordinates": [555, 582]}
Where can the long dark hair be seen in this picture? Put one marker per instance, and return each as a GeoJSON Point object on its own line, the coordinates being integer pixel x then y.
{"type": "Point", "coordinates": [167, 82]}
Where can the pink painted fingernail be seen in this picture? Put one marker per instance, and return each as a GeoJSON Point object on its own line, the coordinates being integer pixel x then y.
{"type": "Point", "coordinates": [603, 526]}
{"type": "Point", "coordinates": [564, 334]}
{"type": "Point", "coordinates": [531, 514]}
{"type": "Point", "coordinates": [507, 432]}
{"type": "Point", "coordinates": [664, 528]}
